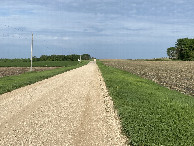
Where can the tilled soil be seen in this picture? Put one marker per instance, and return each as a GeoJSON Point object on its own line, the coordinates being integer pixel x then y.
{"type": "Point", "coordinates": [9, 71]}
{"type": "Point", "coordinates": [177, 75]}
{"type": "Point", "coordinates": [72, 108]}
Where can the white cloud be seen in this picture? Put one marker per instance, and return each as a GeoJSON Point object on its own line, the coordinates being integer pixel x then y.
{"type": "Point", "coordinates": [88, 22]}
{"type": "Point", "coordinates": [65, 38]}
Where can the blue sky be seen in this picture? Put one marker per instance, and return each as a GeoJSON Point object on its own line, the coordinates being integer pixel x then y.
{"type": "Point", "coordinates": [118, 29]}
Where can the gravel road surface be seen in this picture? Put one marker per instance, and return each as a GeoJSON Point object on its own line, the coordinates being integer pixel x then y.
{"type": "Point", "coordinates": [72, 109]}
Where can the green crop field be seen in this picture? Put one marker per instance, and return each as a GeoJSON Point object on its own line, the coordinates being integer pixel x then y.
{"type": "Point", "coordinates": [10, 83]}
{"type": "Point", "coordinates": [38, 64]}
{"type": "Point", "coordinates": [150, 114]}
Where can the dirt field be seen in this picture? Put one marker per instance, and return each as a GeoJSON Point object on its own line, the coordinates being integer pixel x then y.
{"type": "Point", "coordinates": [178, 75]}
{"type": "Point", "coordinates": [9, 71]}
{"type": "Point", "coordinates": [72, 109]}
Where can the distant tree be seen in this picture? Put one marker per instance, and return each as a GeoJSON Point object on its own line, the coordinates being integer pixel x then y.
{"type": "Point", "coordinates": [171, 52]}
{"type": "Point", "coordinates": [185, 49]}
{"type": "Point", "coordinates": [34, 58]}
{"type": "Point", "coordinates": [191, 55]}
{"type": "Point", "coordinates": [43, 58]}
{"type": "Point", "coordinates": [72, 57]}
{"type": "Point", "coordinates": [86, 57]}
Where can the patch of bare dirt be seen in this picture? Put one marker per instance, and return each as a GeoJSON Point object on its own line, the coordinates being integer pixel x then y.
{"type": "Point", "coordinates": [177, 75]}
{"type": "Point", "coordinates": [9, 71]}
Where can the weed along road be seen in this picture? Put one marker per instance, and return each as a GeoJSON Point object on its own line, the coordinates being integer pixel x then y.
{"type": "Point", "coordinates": [72, 108]}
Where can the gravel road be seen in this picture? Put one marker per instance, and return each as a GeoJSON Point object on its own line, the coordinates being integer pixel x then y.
{"type": "Point", "coordinates": [72, 109]}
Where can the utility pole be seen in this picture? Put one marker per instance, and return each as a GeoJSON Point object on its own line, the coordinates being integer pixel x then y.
{"type": "Point", "coordinates": [80, 58]}
{"type": "Point", "coordinates": [31, 52]}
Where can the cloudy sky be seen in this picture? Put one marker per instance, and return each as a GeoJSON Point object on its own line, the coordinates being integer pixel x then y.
{"type": "Point", "coordinates": [103, 28]}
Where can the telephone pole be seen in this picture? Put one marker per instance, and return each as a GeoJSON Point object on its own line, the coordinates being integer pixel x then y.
{"type": "Point", "coordinates": [31, 53]}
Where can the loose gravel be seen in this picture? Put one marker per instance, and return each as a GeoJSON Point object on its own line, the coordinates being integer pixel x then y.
{"type": "Point", "coordinates": [72, 108]}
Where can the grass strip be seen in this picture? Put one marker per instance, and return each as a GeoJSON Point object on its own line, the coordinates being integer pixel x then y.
{"type": "Point", "coordinates": [10, 83]}
{"type": "Point", "coordinates": [39, 64]}
{"type": "Point", "coordinates": [150, 114]}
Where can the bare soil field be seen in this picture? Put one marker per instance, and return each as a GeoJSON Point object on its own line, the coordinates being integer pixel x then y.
{"type": "Point", "coordinates": [9, 71]}
{"type": "Point", "coordinates": [178, 75]}
{"type": "Point", "coordinates": [72, 108]}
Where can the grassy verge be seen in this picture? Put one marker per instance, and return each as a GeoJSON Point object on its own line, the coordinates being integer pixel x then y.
{"type": "Point", "coordinates": [13, 82]}
{"type": "Point", "coordinates": [39, 64]}
{"type": "Point", "coordinates": [150, 114]}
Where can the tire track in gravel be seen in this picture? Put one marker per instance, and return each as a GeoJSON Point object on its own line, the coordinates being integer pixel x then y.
{"type": "Point", "coordinates": [72, 108]}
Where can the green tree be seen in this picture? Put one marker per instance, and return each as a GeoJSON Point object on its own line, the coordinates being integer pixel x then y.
{"type": "Point", "coordinates": [185, 49]}
{"type": "Point", "coordinates": [86, 57]}
{"type": "Point", "coordinates": [34, 58]}
{"type": "Point", "coordinates": [171, 52]}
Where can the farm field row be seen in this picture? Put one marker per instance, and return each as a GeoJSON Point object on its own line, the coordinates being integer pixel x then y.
{"type": "Point", "coordinates": [9, 83]}
{"type": "Point", "coordinates": [15, 68]}
{"type": "Point", "coordinates": [177, 75]}
{"type": "Point", "coordinates": [38, 64]}
{"type": "Point", "coordinates": [150, 114]}
{"type": "Point", "coordinates": [10, 71]}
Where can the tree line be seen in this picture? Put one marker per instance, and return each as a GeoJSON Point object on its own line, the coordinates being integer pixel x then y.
{"type": "Point", "coordinates": [183, 50]}
{"type": "Point", "coordinates": [72, 57]}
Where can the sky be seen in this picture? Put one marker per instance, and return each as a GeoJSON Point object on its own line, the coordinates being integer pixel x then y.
{"type": "Point", "coordinates": [105, 29]}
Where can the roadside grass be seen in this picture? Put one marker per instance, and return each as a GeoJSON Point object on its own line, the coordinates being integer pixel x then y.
{"type": "Point", "coordinates": [39, 64]}
{"type": "Point", "coordinates": [10, 83]}
{"type": "Point", "coordinates": [150, 114]}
